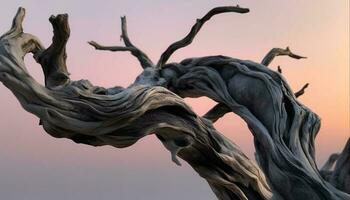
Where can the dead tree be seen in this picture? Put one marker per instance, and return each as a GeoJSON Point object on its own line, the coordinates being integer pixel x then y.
{"type": "Point", "coordinates": [284, 130]}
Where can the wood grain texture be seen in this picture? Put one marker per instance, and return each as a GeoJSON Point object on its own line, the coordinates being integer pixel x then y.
{"type": "Point", "coordinates": [284, 130]}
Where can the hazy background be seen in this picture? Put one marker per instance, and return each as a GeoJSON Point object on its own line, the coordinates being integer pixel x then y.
{"type": "Point", "coordinates": [35, 166]}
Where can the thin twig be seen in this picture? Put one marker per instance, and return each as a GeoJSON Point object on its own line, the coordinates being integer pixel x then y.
{"type": "Point", "coordinates": [112, 48]}
{"type": "Point", "coordinates": [301, 91]}
{"type": "Point", "coordinates": [279, 69]}
{"type": "Point", "coordinates": [140, 55]}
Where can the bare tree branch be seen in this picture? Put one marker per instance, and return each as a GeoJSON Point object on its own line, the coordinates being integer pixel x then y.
{"type": "Point", "coordinates": [125, 115]}
{"type": "Point", "coordinates": [301, 91]}
{"type": "Point", "coordinates": [341, 174]}
{"type": "Point", "coordinates": [53, 59]}
{"type": "Point", "coordinates": [16, 27]}
{"type": "Point", "coordinates": [218, 111]}
{"type": "Point", "coordinates": [330, 162]}
{"type": "Point", "coordinates": [187, 40]}
{"type": "Point", "coordinates": [114, 48]}
{"type": "Point", "coordinates": [284, 131]}
{"type": "Point", "coordinates": [143, 58]}
{"type": "Point", "coordinates": [140, 55]}
{"type": "Point", "coordinates": [279, 52]}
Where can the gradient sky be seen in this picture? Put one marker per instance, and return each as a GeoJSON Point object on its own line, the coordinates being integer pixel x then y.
{"type": "Point", "coordinates": [34, 165]}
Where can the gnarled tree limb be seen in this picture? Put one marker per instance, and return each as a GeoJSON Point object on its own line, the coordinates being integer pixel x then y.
{"type": "Point", "coordinates": [340, 177]}
{"type": "Point", "coordinates": [53, 59]}
{"type": "Point", "coordinates": [284, 130]}
{"type": "Point", "coordinates": [16, 27]}
{"type": "Point", "coordinates": [121, 116]}
{"type": "Point", "coordinates": [279, 52]}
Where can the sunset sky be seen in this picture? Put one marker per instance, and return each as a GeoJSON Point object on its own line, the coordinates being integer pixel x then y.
{"type": "Point", "coordinates": [33, 165]}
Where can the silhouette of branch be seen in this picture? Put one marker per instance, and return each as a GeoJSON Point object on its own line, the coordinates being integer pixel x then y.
{"type": "Point", "coordinates": [279, 52]}
{"type": "Point", "coordinates": [139, 54]}
{"type": "Point", "coordinates": [187, 40]}
{"type": "Point", "coordinates": [301, 91]}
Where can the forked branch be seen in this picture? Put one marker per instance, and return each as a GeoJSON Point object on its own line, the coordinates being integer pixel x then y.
{"type": "Point", "coordinates": [279, 52]}
{"type": "Point", "coordinates": [187, 40]}
{"type": "Point", "coordinates": [140, 55]}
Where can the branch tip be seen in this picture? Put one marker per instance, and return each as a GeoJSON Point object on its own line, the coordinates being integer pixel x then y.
{"type": "Point", "coordinates": [187, 40]}
{"type": "Point", "coordinates": [279, 52]}
{"type": "Point", "coordinates": [301, 91]}
{"type": "Point", "coordinates": [279, 69]}
{"type": "Point", "coordinates": [16, 27]}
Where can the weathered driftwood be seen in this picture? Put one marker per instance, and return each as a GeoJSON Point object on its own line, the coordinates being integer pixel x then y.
{"type": "Point", "coordinates": [337, 169]}
{"type": "Point", "coordinates": [284, 130]}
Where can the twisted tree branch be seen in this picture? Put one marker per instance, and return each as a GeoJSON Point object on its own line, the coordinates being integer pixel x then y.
{"type": "Point", "coordinates": [279, 52]}
{"type": "Point", "coordinates": [121, 116]}
{"type": "Point", "coordinates": [284, 130]}
{"type": "Point", "coordinates": [340, 177]}
{"type": "Point", "coordinates": [187, 40]}
{"type": "Point", "coordinates": [16, 27]}
{"type": "Point", "coordinates": [218, 111]}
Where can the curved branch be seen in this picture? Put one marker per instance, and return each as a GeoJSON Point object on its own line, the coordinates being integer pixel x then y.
{"type": "Point", "coordinates": [16, 27]}
{"type": "Point", "coordinates": [18, 41]}
{"type": "Point", "coordinates": [327, 170]}
{"type": "Point", "coordinates": [301, 91]}
{"type": "Point", "coordinates": [341, 175]}
{"type": "Point", "coordinates": [187, 40]}
{"type": "Point", "coordinates": [284, 130]}
{"type": "Point", "coordinates": [279, 52]}
{"type": "Point", "coordinates": [218, 111]}
{"type": "Point", "coordinates": [91, 115]}
{"type": "Point", "coordinates": [330, 162]}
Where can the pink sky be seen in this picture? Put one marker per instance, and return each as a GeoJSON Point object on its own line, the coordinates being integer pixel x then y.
{"type": "Point", "coordinates": [37, 166]}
